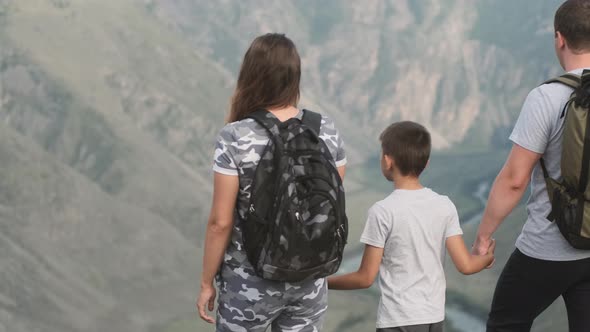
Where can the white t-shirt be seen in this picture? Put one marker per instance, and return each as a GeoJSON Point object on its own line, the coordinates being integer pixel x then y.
{"type": "Point", "coordinates": [539, 129]}
{"type": "Point", "coordinates": [411, 226]}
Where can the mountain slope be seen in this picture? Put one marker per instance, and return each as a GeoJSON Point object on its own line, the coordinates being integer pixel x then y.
{"type": "Point", "coordinates": [77, 108]}
{"type": "Point", "coordinates": [104, 165]}
{"type": "Point", "coordinates": [70, 250]}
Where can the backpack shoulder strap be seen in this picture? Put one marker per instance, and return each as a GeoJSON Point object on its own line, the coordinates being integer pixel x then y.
{"type": "Point", "coordinates": [312, 120]}
{"type": "Point", "coordinates": [571, 80]}
{"type": "Point", "coordinates": [267, 120]}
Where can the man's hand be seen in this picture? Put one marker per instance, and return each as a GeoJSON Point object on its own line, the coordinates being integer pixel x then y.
{"type": "Point", "coordinates": [481, 246]}
{"type": "Point", "coordinates": [206, 300]}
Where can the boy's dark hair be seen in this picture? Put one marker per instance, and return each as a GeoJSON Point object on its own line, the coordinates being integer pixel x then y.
{"type": "Point", "coordinates": [408, 143]}
{"type": "Point", "coordinates": [572, 20]}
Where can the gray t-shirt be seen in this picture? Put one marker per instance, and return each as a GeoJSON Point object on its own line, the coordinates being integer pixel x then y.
{"type": "Point", "coordinates": [412, 226]}
{"type": "Point", "coordinates": [539, 129]}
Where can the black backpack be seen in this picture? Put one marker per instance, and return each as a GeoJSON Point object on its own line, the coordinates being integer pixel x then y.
{"type": "Point", "coordinates": [296, 225]}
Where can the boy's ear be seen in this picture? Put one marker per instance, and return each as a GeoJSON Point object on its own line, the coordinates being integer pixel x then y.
{"type": "Point", "coordinates": [391, 166]}
{"type": "Point", "coordinates": [387, 166]}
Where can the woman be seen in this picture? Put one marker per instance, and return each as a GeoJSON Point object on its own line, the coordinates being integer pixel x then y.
{"type": "Point", "coordinates": [269, 79]}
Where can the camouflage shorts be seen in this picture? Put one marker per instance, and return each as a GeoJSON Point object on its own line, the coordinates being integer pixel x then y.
{"type": "Point", "coordinates": [250, 304]}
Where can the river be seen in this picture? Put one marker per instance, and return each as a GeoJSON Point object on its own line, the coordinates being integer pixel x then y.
{"type": "Point", "coordinates": [460, 319]}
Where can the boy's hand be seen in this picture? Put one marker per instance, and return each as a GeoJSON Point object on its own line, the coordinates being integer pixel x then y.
{"type": "Point", "coordinates": [465, 262]}
{"type": "Point", "coordinates": [206, 299]}
{"type": "Point", "coordinates": [492, 247]}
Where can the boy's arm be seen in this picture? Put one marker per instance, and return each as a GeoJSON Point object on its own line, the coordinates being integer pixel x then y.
{"type": "Point", "coordinates": [365, 276]}
{"type": "Point", "coordinates": [465, 262]}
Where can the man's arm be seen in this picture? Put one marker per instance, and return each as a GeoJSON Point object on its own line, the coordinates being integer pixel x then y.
{"type": "Point", "coordinates": [365, 276]}
{"type": "Point", "coordinates": [506, 193]}
{"type": "Point", "coordinates": [465, 262]}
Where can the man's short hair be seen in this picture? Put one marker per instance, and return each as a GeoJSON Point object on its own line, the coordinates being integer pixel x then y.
{"type": "Point", "coordinates": [408, 143]}
{"type": "Point", "coordinates": [572, 20]}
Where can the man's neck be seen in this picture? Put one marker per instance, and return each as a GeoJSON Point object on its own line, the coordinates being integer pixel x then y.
{"type": "Point", "coordinates": [577, 61]}
{"type": "Point", "coordinates": [407, 183]}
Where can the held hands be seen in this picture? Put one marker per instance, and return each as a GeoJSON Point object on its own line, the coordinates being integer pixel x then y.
{"type": "Point", "coordinates": [484, 246]}
{"type": "Point", "coordinates": [206, 300]}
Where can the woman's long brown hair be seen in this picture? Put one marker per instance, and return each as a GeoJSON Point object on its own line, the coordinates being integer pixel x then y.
{"type": "Point", "coordinates": [269, 76]}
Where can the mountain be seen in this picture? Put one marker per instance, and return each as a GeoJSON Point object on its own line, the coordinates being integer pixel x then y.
{"type": "Point", "coordinates": [75, 258]}
{"type": "Point", "coordinates": [106, 203]}
{"type": "Point", "coordinates": [109, 111]}
{"type": "Point", "coordinates": [456, 66]}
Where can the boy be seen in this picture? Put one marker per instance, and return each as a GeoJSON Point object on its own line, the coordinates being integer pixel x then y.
{"type": "Point", "coordinates": [405, 235]}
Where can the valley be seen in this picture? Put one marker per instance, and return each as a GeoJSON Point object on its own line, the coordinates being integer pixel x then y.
{"type": "Point", "coordinates": [109, 111]}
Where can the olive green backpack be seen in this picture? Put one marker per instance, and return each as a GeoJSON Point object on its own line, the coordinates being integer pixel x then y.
{"type": "Point", "coordinates": [570, 196]}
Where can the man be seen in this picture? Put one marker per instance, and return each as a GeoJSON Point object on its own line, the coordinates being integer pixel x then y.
{"type": "Point", "coordinates": [544, 266]}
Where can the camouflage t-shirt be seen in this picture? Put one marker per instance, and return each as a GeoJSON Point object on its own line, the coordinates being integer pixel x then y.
{"type": "Point", "coordinates": [238, 150]}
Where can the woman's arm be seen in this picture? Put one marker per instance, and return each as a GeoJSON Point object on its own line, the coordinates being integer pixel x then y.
{"type": "Point", "coordinates": [342, 172]}
{"type": "Point", "coordinates": [365, 276]}
{"type": "Point", "coordinates": [219, 229]}
{"type": "Point", "coordinates": [465, 262]}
